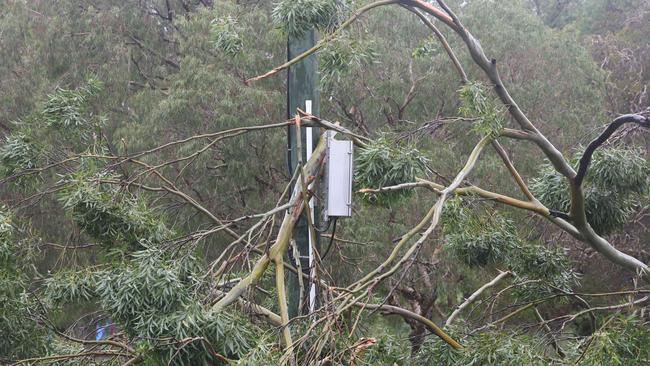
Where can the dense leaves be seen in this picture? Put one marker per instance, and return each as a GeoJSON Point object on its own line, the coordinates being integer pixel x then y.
{"type": "Point", "coordinates": [19, 313]}
{"type": "Point", "coordinates": [64, 110]}
{"type": "Point", "coordinates": [296, 17]}
{"type": "Point", "coordinates": [476, 103]}
{"type": "Point", "coordinates": [489, 348]}
{"type": "Point", "coordinates": [226, 36]}
{"type": "Point", "coordinates": [476, 238]}
{"type": "Point", "coordinates": [615, 181]}
{"type": "Point", "coordinates": [156, 298]}
{"type": "Point", "coordinates": [18, 153]}
{"type": "Point", "coordinates": [339, 57]}
{"type": "Point", "coordinates": [385, 163]}
{"type": "Point", "coordinates": [114, 219]}
{"type": "Point", "coordinates": [621, 341]}
{"type": "Point", "coordinates": [479, 239]}
{"type": "Point", "coordinates": [173, 70]}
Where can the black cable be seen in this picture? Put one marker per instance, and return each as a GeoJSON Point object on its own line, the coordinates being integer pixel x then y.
{"type": "Point", "coordinates": [331, 239]}
{"type": "Point", "coordinates": [319, 230]}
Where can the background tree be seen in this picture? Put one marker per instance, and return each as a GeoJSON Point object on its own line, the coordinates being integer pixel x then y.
{"type": "Point", "coordinates": [144, 179]}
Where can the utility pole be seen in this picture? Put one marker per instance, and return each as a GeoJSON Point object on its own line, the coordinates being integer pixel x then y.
{"type": "Point", "coordinates": [302, 92]}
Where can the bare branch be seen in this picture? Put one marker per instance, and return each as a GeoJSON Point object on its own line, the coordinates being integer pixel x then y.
{"type": "Point", "coordinates": [473, 297]}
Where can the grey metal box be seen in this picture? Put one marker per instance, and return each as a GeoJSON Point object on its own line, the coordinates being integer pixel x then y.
{"type": "Point", "coordinates": [339, 173]}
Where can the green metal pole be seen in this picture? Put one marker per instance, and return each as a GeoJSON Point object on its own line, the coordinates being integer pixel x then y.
{"type": "Point", "coordinates": [302, 85]}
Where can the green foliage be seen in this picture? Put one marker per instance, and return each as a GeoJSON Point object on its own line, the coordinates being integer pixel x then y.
{"type": "Point", "coordinates": [485, 245]}
{"type": "Point", "coordinates": [64, 116]}
{"type": "Point", "coordinates": [150, 285]}
{"type": "Point", "coordinates": [607, 212]}
{"type": "Point", "coordinates": [6, 234]}
{"type": "Point", "coordinates": [485, 349]}
{"type": "Point", "coordinates": [426, 49]}
{"type": "Point", "coordinates": [477, 239]}
{"type": "Point", "coordinates": [436, 352]}
{"type": "Point", "coordinates": [114, 218]}
{"type": "Point", "coordinates": [624, 170]}
{"type": "Point", "coordinates": [386, 163]}
{"type": "Point", "coordinates": [21, 334]}
{"type": "Point", "coordinates": [65, 108]}
{"type": "Point", "coordinates": [265, 352]}
{"type": "Point", "coordinates": [475, 103]}
{"type": "Point", "coordinates": [388, 350]}
{"type": "Point", "coordinates": [339, 57]}
{"type": "Point", "coordinates": [614, 181]}
{"type": "Point", "coordinates": [71, 286]}
{"type": "Point", "coordinates": [17, 154]}
{"type": "Point", "coordinates": [153, 298]}
{"type": "Point", "coordinates": [226, 35]}
{"type": "Point", "coordinates": [383, 348]}
{"type": "Point", "coordinates": [482, 238]}
{"type": "Point", "coordinates": [152, 101]}
{"type": "Point", "coordinates": [622, 341]}
{"type": "Point", "coordinates": [550, 266]}
{"type": "Point", "coordinates": [296, 17]}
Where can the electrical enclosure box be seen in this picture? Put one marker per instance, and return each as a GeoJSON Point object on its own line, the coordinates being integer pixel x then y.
{"type": "Point", "coordinates": [339, 174]}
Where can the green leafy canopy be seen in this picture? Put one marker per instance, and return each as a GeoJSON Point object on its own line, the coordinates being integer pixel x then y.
{"type": "Point", "coordinates": [65, 108]}
{"type": "Point", "coordinates": [296, 17]}
{"type": "Point", "coordinates": [616, 178]}
{"type": "Point", "coordinates": [21, 334]}
{"type": "Point", "coordinates": [483, 238]}
{"type": "Point", "coordinates": [154, 297]}
{"type": "Point", "coordinates": [18, 153]}
{"type": "Point", "coordinates": [384, 163]}
{"type": "Point", "coordinates": [338, 58]}
{"type": "Point", "coordinates": [475, 103]}
{"type": "Point", "coordinates": [112, 217]}
{"type": "Point", "coordinates": [225, 32]}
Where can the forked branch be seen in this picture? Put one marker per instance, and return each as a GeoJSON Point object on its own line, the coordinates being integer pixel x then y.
{"type": "Point", "coordinates": [583, 165]}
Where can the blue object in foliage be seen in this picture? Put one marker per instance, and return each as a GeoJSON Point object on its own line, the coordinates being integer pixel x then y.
{"type": "Point", "coordinates": [99, 334]}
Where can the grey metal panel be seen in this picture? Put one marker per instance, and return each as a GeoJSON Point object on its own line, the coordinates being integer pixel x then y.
{"type": "Point", "coordinates": [339, 178]}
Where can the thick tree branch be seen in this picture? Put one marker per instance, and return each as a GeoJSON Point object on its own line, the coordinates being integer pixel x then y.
{"type": "Point", "coordinates": [578, 213]}
{"type": "Point", "coordinates": [284, 235]}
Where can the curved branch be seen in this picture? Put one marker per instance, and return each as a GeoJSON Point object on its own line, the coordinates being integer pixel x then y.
{"type": "Point", "coordinates": [475, 296]}
{"type": "Point", "coordinates": [426, 7]}
{"type": "Point", "coordinates": [277, 250]}
{"type": "Point", "coordinates": [322, 42]}
{"type": "Point", "coordinates": [561, 165]}
{"type": "Point", "coordinates": [443, 41]}
{"type": "Point", "coordinates": [419, 318]}
{"type": "Point", "coordinates": [583, 165]}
